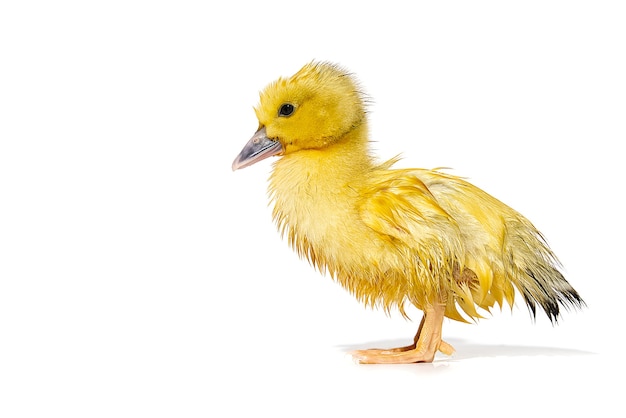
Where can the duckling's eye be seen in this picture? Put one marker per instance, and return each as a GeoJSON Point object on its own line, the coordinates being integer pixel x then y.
{"type": "Point", "coordinates": [286, 109]}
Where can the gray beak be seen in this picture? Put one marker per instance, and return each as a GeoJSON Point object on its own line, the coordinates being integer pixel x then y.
{"type": "Point", "coordinates": [258, 148]}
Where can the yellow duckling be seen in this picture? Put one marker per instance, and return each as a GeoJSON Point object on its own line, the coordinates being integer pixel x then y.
{"type": "Point", "coordinates": [392, 236]}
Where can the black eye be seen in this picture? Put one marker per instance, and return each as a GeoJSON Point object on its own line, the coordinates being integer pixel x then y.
{"type": "Point", "coordinates": [286, 110]}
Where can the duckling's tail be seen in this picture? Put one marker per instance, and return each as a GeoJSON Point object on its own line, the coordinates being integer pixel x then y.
{"type": "Point", "coordinates": [535, 271]}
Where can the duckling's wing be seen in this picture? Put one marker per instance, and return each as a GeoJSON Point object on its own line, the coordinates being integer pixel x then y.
{"type": "Point", "coordinates": [401, 208]}
{"type": "Point", "coordinates": [398, 204]}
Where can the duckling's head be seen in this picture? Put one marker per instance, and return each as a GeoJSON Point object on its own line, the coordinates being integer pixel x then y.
{"type": "Point", "coordinates": [313, 109]}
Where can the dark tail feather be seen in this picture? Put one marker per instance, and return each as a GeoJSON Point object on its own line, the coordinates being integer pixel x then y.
{"type": "Point", "coordinates": [535, 271]}
{"type": "Point", "coordinates": [550, 291]}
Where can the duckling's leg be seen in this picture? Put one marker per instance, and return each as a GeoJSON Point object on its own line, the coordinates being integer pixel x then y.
{"type": "Point", "coordinates": [427, 342]}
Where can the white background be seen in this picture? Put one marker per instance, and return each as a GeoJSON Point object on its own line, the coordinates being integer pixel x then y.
{"type": "Point", "coordinates": [140, 277]}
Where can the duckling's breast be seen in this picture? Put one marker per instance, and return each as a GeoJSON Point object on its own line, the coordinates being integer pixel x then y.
{"type": "Point", "coordinates": [317, 210]}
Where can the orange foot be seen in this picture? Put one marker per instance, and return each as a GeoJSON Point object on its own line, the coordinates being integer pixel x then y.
{"type": "Point", "coordinates": [427, 342]}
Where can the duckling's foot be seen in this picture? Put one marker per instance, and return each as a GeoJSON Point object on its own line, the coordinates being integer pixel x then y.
{"type": "Point", "coordinates": [427, 342]}
{"type": "Point", "coordinates": [400, 355]}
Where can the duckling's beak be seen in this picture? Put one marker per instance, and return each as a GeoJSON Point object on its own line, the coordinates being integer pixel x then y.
{"type": "Point", "coordinates": [258, 148]}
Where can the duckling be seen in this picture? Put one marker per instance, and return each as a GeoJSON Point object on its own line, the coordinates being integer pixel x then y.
{"type": "Point", "coordinates": [392, 237]}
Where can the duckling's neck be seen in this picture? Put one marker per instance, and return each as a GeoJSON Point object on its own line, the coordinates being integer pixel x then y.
{"type": "Point", "coordinates": [347, 159]}
{"type": "Point", "coordinates": [320, 184]}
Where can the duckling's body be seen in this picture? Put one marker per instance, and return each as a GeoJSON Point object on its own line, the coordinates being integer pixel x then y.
{"type": "Point", "coordinates": [392, 236]}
